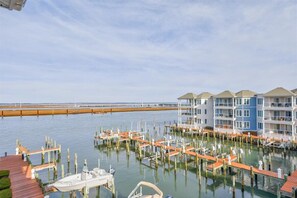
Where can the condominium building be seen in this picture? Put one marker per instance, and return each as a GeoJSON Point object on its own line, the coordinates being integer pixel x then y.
{"type": "Point", "coordinates": [186, 112]}
{"type": "Point", "coordinates": [235, 112]}
{"type": "Point", "coordinates": [195, 111]}
{"type": "Point", "coordinates": [276, 113]}
{"type": "Point", "coordinates": [270, 114]}
{"type": "Point", "coordinates": [224, 111]}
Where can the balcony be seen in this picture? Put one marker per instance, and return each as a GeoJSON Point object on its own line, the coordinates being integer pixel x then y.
{"type": "Point", "coordinates": [279, 119]}
{"type": "Point", "coordinates": [224, 116]}
{"type": "Point", "coordinates": [187, 114]}
{"type": "Point", "coordinates": [278, 105]}
{"type": "Point", "coordinates": [278, 132]}
{"type": "Point", "coordinates": [223, 126]}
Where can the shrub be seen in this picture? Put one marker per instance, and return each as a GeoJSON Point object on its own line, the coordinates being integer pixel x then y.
{"type": "Point", "coordinates": [6, 193]}
{"type": "Point", "coordinates": [4, 183]}
{"type": "Point", "coordinates": [4, 173]}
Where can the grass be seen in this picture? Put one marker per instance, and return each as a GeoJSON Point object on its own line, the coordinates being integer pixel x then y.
{"type": "Point", "coordinates": [4, 173]}
{"type": "Point", "coordinates": [4, 183]}
{"type": "Point", "coordinates": [6, 193]}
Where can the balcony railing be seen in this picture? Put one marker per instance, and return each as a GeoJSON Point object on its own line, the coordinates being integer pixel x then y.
{"type": "Point", "coordinates": [223, 104]}
{"type": "Point", "coordinates": [188, 114]}
{"type": "Point", "coordinates": [279, 118]}
{"type": "Point", "coordinates": [278, 131]}
{"type": "Point", "coordinates": [279, 104]}
{"type": "Point", "coordinates": [224, 115]}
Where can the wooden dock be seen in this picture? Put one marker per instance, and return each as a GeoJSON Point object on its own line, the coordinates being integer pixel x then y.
{"type": "Point", "coordinates": [290, 185]}
{"type": "Point", "coordinates": [22, 185]}
{"type": "Point", "coordinates": [218, 162]}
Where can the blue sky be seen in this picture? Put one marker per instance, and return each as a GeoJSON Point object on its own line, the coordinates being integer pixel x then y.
{"type": "Point", "coordinates": [109, 51]}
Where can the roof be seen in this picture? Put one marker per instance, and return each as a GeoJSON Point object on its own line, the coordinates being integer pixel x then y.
{"type": "Point", "coordinates": [245, 94]}
{"type": "Point", "coordinates": [279, 91]}
{"type": "Point", "coordinates": [188, 96]}
{"type": "Point", "coordinates": [225, 94]}
{"type": "Point", "coordinates": [204, 95]}
{"type": "Point", "coordinates": [294, 91]}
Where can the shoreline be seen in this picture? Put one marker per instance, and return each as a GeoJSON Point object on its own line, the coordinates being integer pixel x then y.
{"type": "Point", "coordinates": [66, 111]}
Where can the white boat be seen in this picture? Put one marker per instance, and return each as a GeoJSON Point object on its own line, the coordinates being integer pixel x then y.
{"type": "Point", "coordinates": [137, 191]}
{"type": "Point", "coordinates": [86, 179]}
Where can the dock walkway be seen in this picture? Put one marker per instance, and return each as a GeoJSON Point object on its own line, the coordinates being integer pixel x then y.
{"type": "Point", "coordinates": [290, 184]}
{"type": "Point", "coordinates": [22, 185]}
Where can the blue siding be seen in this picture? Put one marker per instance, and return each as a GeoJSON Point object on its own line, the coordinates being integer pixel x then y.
{"type": "Point", "coordinates": [253, 114]}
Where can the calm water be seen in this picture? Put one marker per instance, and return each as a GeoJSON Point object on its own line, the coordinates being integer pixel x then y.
{"type": "Point", "coordinates": [76, 133]}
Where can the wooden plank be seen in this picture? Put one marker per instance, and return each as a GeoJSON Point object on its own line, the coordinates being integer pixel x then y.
{"type": "Point", "coordinates": [21, 186]}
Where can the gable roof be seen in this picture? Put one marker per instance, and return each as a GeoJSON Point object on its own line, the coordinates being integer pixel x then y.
{"type": "Point", "coordinates": [188, 96]}
{"type": "Point", "coordinates": [225, 94]}
{"type": "Point", "coordinates": [279, 91]}
{"type": "Point", "coordinates": [204, 95]}
{"type": "Point", "coordinates": [294, 91]}
{"type": "Point", "coordinates": [245, 94]}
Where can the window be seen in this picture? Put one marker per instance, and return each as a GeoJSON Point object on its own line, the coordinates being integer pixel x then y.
{"type": "Point", "coordinates": [199, 121]}
{"type": "Point", "coordinates": [238, 113]}
{"type": "Point", "coordinates": [246, 113]}
{"type": "Point", "coordinates": [205, 102]}
{"type": "Point", "coordinates": [260, 125]}
{"type": "Point", "coordinates": [205, 111]}
{"type": "Point", "coordinates": [260, 114]}
{"type": "Point", "coordinates": [246, 101]}
{"type": "Point", "coordinates": [246, 125]}
{"type": "Point", "coordinates": [260, 101]}
{"type": "Point", "coordinates": [238, 101]}
{"type": "Point", "coordinates": [199, 111]}
{"type": "Point", "coordinates": [205, 121]}
{"type": "Point", "coordinates": [239, 125]}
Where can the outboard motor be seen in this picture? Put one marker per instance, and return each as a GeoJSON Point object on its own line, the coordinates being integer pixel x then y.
{"type": "Point", "coordinates": [84, 171]}
{"type": "Point", "coordinates": [169, 196]}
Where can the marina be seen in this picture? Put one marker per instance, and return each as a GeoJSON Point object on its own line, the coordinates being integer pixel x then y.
{"type": "Point", "coordinates": [168, 156]}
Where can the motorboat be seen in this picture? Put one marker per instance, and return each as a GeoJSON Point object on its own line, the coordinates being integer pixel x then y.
{"type": "Point", "coordinates": [137, 191]}
{"type": "Point", "coordinates": [85, 179]}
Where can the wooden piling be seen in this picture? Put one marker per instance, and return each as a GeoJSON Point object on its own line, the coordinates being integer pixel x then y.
{"type": "Point", "coordinates": [242, 181]}
{"type": "Point", "coordinates": [62, 170]}
{"type": "Point", "coordinates": [75, 163]}
{"type": "Point", "coordinates": [252, 175]}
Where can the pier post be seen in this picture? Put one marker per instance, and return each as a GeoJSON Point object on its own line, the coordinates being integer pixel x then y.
{"type": "Point", "coordinates": [59, 152]}
{"type": "Point", "coordinates": [73, 194]}
{"type": "Point", "coordinates": [128, 147]}
{"type": "Point", "coordinates": [156, 160]}
{"type": "Point", "coordinates": [252, 176]}
{"type": "Point", "coordinates": [48, 156]}
{"type": "Point", "coordinates": [68, 161]}
{"type": "Point", "coordinates": [233, 185]}
{"type": "Point", "coordinates": [75, 163]}
{"type": "Point", "coordinates": [186, 162]}
{"type": "Point", "coordinates": [86, 192]}
{"type": "Point", "coordinates": [42, 155]}
{"type": "Point", "coordinates": [55, 172]}
{"type": "Point", "coordinates": [175, 164]}
{"type": "Point", "coordinates": [224, 166]}
{"type": "Point", "coordinates": [242, 181]}
{"type": "Point", "coordinates": [62, 170]}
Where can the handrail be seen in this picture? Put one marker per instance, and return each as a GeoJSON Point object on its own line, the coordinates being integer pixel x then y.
{"type": "Point", "coordinates": [148, 184]}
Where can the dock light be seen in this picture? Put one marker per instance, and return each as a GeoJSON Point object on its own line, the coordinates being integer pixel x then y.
{"type": "Point", "coordinates": [13, 4]}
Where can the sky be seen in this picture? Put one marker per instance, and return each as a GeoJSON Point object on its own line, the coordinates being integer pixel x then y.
{"type": "Point", "coordinates": [145, 50]}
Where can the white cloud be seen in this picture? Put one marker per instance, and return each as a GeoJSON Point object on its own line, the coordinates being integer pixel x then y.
{"type": "Point", "coordinates": [145, 50]}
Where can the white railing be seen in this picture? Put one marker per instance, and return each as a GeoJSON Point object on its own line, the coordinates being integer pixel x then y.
{"type": "Point", "coordinates": [279, 118]}
{"type": "Point", "coordinates": [223, 104]}
{"type": "Point", "coordinates": [279, 104]}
